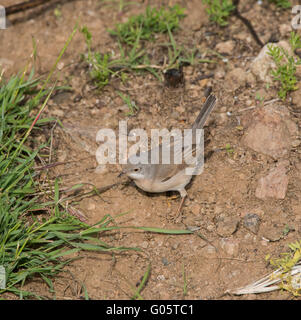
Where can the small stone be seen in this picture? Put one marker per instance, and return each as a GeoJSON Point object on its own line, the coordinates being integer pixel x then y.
{"type": "Point", "coordinates": [144, 244]}
{"type": "Point", "coordinates": [210, 227]}
{"type": "Point", "coordinates": [274, 185]}
{"type": "Point", "coordinates": [94, 111]}
{"type": "Point", "coordinates": [269, 131]}
{"type": "Point", "coordinates": [226, 226]}
{"type": "Point", "coordinates": [219, 74]}
{"type": "Point", "coordinates": [161, 277]}
{"type": "Point", "coordinates": [272, 233]}
{"type": "Point", "coordinates": [296, 143]}
{"type": "Point", "coordinates": [60, 65]}
{"type": "Point", "coordinates": [251, 222]}
{"type": "Point", "coordinates": [231, 246]}
{"type": "Point", "coordinates": [226, 47]}
{"type": "Point", "coordinates": [165, 261]}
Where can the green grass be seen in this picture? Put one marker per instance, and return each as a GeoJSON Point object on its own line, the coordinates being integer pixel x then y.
{"type": "Point", "coordinates": [103, 67]}
{"type": "Point", "coordinates": [38, 236]}
{"type": "Point", "coordinates": [30, 246]}
{"type": "Point", "coordinates": [286, 66]}
{"type": "Point", "coordinates": [146, 25]}
{"type": "Point", "coordinates": [219, 10]}
{"type": "Point", "coordinates": [130, 103]}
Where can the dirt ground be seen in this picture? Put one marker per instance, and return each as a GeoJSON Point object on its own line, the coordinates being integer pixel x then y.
{"type": "Point", "coordinates": [228, 255]}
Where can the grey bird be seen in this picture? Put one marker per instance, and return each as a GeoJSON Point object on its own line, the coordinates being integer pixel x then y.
{"type": "Point", "coordinates": [161, 177]}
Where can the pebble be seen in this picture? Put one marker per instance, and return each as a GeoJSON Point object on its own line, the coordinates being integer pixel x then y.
{"type": "Point", "coordinates": [272, 233]}
{"type": "Point", "coordinates": [231, 246]}
{"type": "Point", "coordinates": [161, 277]}
{"type": "Point", "coordinates": [251, 222]}
{"type": "Point", "coordinates": [268, 131]}
{"type": "Point", "coordinates": [226, 226]}
{"type": "Point", "coordinates": [274, 185]}
{"type": "Point", "coordinates": [144, 244]}
{"type": "Point", "coordinates": [226, 47]}
{"type": "Point", "coordinates": [165, 261]}
{"type": "Point", "coordinates": [296, 143]}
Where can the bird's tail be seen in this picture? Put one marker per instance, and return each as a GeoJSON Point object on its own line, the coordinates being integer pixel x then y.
{"type": "Point", "coordinates": [205, 112]}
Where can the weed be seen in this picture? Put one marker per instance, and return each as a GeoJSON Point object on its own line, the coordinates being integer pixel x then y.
{"type": "Point", "coordinates": [285, 66]}
{"type": "Point", "coordinates": [131, 104]}
{"type": "Point", "coordinates": [100, 65]}
{"type": "Point", "coordinates": [219, 10]}
{"type": "Point", "coordinates": [295, 41]}
{"type": "Point", "coordinates": [104, 66]}
{"type": "Point", "coordinates": [229, 149]}
{"type": "Point", "coordinates": [285, 264]}
{"type": "Point", "coordinates": [146, 25]}
{"type": "Point", "coordinates": [142, 284]}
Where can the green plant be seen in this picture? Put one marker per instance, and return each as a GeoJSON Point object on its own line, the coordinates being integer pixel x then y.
{"type": "Point", "coordinates": [285, 66]}
{"type": "Point", "coordinates": [219, 10]}
{"type": "Point", "coordinates": [146, 25]}
{"type": "Point", "coordinates": [33, 243]}
{"type": "Point", "coordinates": [285, 4]}
{"type": "Point", "coordinates": [295, 41]}
{"type": "Point", "coordinates": [285, 264]}
{"type": "Point", "coordinates": [131, 104]}
{"type": "Point", "coordinates": [229, 149]}
{"type": "Point", "coordinates": [100, 64]}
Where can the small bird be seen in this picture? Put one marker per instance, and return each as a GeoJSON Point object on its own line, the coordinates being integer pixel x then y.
{"type": "Point", "coordinates": [163, 177]}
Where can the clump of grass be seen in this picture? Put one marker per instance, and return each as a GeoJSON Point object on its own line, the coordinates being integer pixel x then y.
{"type": "Point", "coordinates": [104, 66]}
{"type": "Point", "coordinates": [130, 103]}
{"type": "Point", "coordinates": [146, 25]}
{"type": "Point", "coordinates": [289, 261]}
{"type": "Point", "coordinates": [30, 246]}
{"type": "Point", "coordinates": [219, 10]}
{"type": "Point", "coordinates": [100, 64]}
{"type": "Point", "coordinates": [286, 65]}
{"type": "Point", "coordinates": [287, 275]}
{"type": "Point", "coordinates": [284, 4]}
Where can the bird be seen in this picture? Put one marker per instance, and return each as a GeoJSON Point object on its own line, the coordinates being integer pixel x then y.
{"type": "Point", "coordinates": [162, 177]}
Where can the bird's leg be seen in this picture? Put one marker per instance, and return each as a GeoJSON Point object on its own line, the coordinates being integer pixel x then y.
{"type": "Point", "coordinates": [183, 197]}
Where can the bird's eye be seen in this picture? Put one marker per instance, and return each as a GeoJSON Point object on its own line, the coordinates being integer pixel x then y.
{"type": "Point", "coordinates": [136, 169]}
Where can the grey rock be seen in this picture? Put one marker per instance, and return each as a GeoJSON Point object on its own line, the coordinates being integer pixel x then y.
{"type": "Point", "coordinates": [251, 222]}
